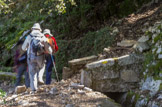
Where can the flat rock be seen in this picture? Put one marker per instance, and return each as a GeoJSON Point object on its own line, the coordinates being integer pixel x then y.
{"type": "Point", "coordinates": [126, 43]}
{"type": "Point", "coordinates": [143, 39]}
{"type": "Point", "coordinates": [83, 60]}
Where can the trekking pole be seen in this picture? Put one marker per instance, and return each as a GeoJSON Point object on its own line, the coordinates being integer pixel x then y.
{"type": "Point", "coordinates": [54, 67]}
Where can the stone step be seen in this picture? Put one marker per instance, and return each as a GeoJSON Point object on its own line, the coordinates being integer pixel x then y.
{"type": "Point", "coordinates": [113, 74]}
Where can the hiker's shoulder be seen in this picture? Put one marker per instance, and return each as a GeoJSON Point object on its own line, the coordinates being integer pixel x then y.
{"type": "Point", "coordinates": [36, 33]}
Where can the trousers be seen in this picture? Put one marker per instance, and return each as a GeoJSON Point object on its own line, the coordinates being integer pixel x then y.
{"type": "Point", "coordinates": [22, 69]}
{"type": "Point", "coordinates": [36, 65]}
{"type": "Point", "coordinates": [49, 66]}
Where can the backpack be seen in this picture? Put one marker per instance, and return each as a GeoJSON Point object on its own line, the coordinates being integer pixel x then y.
{"type": "Point", "coordinates": [51, 42]}
{"type": "Point", "coordinates": [36, 46]}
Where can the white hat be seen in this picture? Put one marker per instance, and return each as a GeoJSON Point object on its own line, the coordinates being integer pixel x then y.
{"type": "Point", "coordinates": [47, 31]}
{"type": "Point", "coordinates": [37, 26]}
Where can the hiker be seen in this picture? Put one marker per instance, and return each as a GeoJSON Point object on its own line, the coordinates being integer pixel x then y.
{"type": "Point", "coordinates": [35, 44]}
{"type": "Point", "coordinates": [20, 62]}
{"type": "Point", "coordinates": [49, 63]}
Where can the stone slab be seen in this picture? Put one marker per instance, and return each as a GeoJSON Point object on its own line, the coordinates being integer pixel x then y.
{"type": "Point", "coordinates": [126, 43]}
{"type": "Point", "coordinates": [82, 61]}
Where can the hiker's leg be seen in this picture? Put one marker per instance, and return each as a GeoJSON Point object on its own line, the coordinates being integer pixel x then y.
{"type": "Point", "coordinates": [40, 74]}
{"type": "Point", "coordinates": [48, 77]}
{"type": "Point", "coordinates": [33, 76]}
{"type": "Point", "coordinates": [20, 72]}
{"type": "Point", "coordinates": [49, 66]}
{"type": "Point", "coordinates": [27, 80]}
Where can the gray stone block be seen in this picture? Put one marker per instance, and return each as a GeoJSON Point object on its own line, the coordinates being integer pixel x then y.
{"type": "Point", "coordinates": [129, 76]}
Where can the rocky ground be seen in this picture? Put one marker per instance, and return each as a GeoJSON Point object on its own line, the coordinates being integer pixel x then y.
{"type": "Point", "coordinates": [66, 93]}
{"type": "Point", "coordinates": [131, 28]}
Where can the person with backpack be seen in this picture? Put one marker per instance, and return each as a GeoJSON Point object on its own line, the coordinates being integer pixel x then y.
{"type": "Point", "coordinates": [36, 45]}
{"type": "Point", "coordinates": [49, 62]}
{"type": "Point", "coordinates": [20, 66]}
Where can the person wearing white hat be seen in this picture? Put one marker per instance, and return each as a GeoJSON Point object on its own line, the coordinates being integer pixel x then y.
{"type": "Point", "coordinates": [35, 62]}
{"type": "Point", "coordinates": [49, 61]}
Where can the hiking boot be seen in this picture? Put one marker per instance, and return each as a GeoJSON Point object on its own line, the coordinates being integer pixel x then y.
{"type": "Point", "coordinates": [32, 92]}
{"type": "Point", "coordinates": [40, 82]}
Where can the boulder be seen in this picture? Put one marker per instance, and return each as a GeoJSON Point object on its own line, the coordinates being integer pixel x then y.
{"type": "Point", "coordinates": [141, 46]}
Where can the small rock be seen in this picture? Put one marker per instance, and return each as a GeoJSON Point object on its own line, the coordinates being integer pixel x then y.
{"type": "Point", "coordinates": [16, 99]}
{"type": "Point", "coordinates": [71, 93]}
{"type": "Point", "coordinates": [47, 90]}
{"type": "Point", "coordinates": [53, 81]}
{"type": "Point", "coordinates": [23, 102]}
{"type": "Point", "coordinates": [160, 56]}
{"type": "Point", "coordinates": [107, 50]}
{"type": "Point", "coordinates": [63, 102]}
{"type": "Point", "coordinates": [87, 89]}
{"type": "Point", "coordinates": [11, 90]}
{"type": "Point", "coordinates": [20, 89]}
{"type": "Point", "coordinates": [78, 86]}
{"type": "Point", "coordinates": [81, 92]}
{"type": "Point", "coordinates": [143, 39]}
{"type": "Point", "coordinates": [32, 104]}
{"type": "Point", "coordinates": [126, 43]}
{"type": "Point", "coordinates": [5, 83]}
{"type": "Point", "coordinates": [40, 90]}
{"type": "Point", "coordinates": [69, 105]}
{"type": "Point", "coordinates": [100, 56]}
{"type": "Point", "coordinates": [141, 46]}
{"type": "Point", "coordinates": [14, 96]}
{"type": "Point", "coordinates": [146, 24]}
{"type": "Point", "coordinates": [158, 50]}
{"type": "Point", "coordinates": [54, 91]}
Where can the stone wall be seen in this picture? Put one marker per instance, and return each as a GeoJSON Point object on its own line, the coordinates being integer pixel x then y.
{"type": "Point", "coordinates": [114, 74]}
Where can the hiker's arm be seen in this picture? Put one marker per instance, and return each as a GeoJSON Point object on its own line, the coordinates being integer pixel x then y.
{"type": "Point", "coordinates": [26, 43]}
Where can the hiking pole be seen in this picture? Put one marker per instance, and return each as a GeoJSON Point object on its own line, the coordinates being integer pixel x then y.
{"type": "Point", "coordinates": [54, 67]}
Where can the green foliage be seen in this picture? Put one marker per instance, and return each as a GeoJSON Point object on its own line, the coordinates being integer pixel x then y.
{"type": "Point", "coordinates": [127, 7]}
{"type": "Point", "coordinates": [5, 69]}
{"type": "Point", "coordinates": [2, 95]}
{"type": "Point", "coordinates": [91, 44]}
{"type": "Point", "coordinates": [152, 64]}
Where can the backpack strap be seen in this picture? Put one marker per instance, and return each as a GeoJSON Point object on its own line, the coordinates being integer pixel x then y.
{"type": "Point", "coordinates": [31, 35]}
